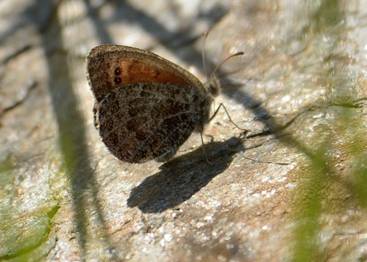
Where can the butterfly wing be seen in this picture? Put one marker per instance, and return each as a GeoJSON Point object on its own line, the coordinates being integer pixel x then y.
{"type": "Point", "coordinates": [141, 122]}
{"type": "Point", "coordinates": [115, 66]}
{"type": "Point", "coordinates": [146, 106]}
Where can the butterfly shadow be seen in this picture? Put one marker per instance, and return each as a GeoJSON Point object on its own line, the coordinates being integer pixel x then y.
{"type": "Point", "coordinates": [182, 177]}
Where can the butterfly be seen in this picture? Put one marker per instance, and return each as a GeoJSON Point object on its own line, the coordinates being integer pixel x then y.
{"type": "Point", "coordinates": [146, 106]}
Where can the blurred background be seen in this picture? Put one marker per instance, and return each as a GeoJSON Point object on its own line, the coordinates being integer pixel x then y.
{"type": "Point", "coordinates": [295, 189]}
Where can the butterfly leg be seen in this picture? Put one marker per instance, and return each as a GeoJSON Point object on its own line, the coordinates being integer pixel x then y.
{"type": "Point", "coordinates": [204, 150]}
{"type": "Point", "coordinates": [221, 105]}
{"type": "Point", "coordinates": [166, 156]}
{"type": "Point", "coordinates": [211, 137]}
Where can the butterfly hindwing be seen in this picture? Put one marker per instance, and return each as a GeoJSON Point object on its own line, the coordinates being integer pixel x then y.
{"type": "Point", "coordinates": [145, 121]}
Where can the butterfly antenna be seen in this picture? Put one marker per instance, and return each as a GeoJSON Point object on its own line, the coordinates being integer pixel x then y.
{"type": "Point", "coordinates": [203, 53]}
{"type": "Point", "coordinates": [223, 62]}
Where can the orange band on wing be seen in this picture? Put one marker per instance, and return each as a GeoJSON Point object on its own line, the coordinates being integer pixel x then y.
{"type": "Point", "coordinates": [133, 71]}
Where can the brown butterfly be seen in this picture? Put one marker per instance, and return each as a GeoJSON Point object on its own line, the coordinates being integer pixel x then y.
{"type": "Point", "coordinates": [146, 106]}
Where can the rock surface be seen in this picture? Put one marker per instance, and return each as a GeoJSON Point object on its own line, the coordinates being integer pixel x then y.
{"type": "Point", "coordinates": [299, 88]}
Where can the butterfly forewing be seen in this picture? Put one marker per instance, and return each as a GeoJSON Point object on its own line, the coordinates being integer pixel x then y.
{"type": "Point", "coordinates": [114, 66]}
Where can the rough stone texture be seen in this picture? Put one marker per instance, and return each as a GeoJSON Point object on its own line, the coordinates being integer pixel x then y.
{"type": "Point", "coordinates": [303, 72]}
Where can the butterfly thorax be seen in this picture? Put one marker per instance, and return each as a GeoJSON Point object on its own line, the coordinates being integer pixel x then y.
{"type": "Point", "coordinates": [204, 112]}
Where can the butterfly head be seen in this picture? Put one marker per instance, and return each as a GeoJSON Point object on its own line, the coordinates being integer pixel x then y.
{"type": "Point", "coordinates": [213, 86]}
